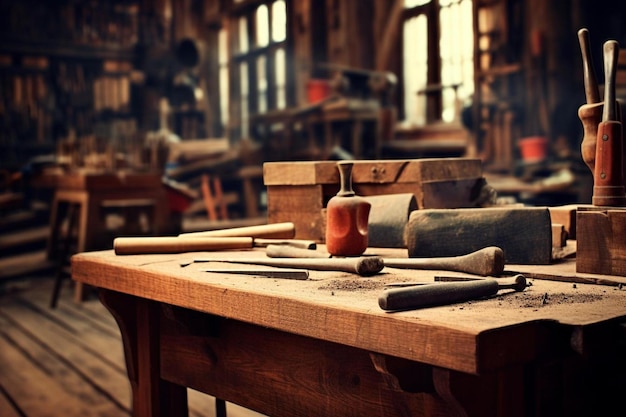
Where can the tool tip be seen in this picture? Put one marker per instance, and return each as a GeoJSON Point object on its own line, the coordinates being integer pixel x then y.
{"type": "Point", "coordinates": [520, 282]}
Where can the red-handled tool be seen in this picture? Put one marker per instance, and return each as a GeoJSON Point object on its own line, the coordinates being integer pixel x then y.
{"type": "Point", "coordinates": [608, 189]}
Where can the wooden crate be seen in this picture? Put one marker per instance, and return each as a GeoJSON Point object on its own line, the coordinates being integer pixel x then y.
{"type": "Point", "coordinates": [298, 192]}
{"type": "Point", "coordinates": [601, 240]}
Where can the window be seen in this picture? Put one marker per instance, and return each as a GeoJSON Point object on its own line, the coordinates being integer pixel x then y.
{"type": "Point", "coordinates": [437, 72]}
{"type": "Point", "coordinates": [222, 52]}
{"type": "Point", "coordinates": [259, 63]}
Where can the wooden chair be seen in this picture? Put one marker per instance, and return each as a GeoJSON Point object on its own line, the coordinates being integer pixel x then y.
{"type": "Point", "coordinates": [213, 196]}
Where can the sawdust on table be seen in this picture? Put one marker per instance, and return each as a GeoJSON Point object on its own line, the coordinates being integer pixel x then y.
{"type": "Point", "coordinates": [523, 299]}
{"type": "Point", "coordinates": [352, 285]}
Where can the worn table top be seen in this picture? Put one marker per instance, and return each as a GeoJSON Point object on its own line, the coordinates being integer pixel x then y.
{"type": "Point", "coordinates": [340, 307]}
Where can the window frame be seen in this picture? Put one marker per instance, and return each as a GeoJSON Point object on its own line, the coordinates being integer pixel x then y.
{"type": "Point", "coordinates": [240, 125]}
{"type": "Point", "coordinates": [434, 89]}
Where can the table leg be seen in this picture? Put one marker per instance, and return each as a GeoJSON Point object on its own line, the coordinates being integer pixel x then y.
{"type": "Point", "coordinates": [85, 229]}
{"type": "Point", "coordinates": [138, 320]}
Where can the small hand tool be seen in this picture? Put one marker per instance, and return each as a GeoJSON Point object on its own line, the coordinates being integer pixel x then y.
{"type": "Point", "coordinates": [299, 274]}
{"type": "Point", "coordinates": [486, 261]}
{"type": "Point", "coordinates": [608, 188]}
{"type": "Point", "coordinates": [167, 244]}
{"type": "Point", "coordinates": [362, 265]}
{"type": "Point", "coordinates": [288, 251]}
{"type": "Point", "coordinates": [590, 114]}
{"type": "Point", "coordinates": [285, 230]}
{"type": "Point", "coordinates": [294, 243]}
{"type": "Point", "coordinates": [170, 244]}
{"type": "Point", "coordinates": [443, 293]}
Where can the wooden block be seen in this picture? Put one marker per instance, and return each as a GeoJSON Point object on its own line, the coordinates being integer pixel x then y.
{"type": "Point", "coordinates": [299, 191]}
{"type": "Point", "coordinates": [601, 243]}
{"type": "Point", "coordinates": [373, 171]}
{"type": "Point", "coordinates": [559, 235]}
{"type": "Point", "coordinates": [524, 234]}
{"type": "Point", "coordinates": [566, 215]}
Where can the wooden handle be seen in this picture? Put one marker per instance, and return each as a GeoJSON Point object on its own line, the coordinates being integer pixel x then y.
{"type": "Point", "coordinates": [284, 230]}
{"type": "Point", "coordinates": [589, 75]}
{"type": "Point", "coordinates": [590, 115]}
{"type": "Point", "coordinates": [611, 53]}
{"type": "Point", "coordinates": [148, 245]}
{"type": "Point", "coordinates": [486, 261]}
{"type": "Point", "coordinates": [608, 187]}
{"type": "Point", "coordinates": [285, 251]}
{"type": "Point", "coordinates": [428, 295]}
{"type": "Point", "coordinates": [294, 243]}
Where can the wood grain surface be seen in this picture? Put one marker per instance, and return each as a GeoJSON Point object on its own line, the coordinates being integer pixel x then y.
{"type": "Point", "coordinates": [340, 308]}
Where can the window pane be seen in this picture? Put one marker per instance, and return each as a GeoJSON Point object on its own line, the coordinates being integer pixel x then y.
{"type": "Point", "coordinates": [262, 26]}
{"type": "Point", "coordinates": [279, 64]}
{"type": "Point", "coordinates": [243, 75]}
{"type": "Point", "coordinates": [261, 81]}
{"type": "Point", "coordinates": [223, 76]}
{"type": "Point", "coordinates": [243, 34]}
{"type": "Point", "coordinates": [456, 51]}
{"type": "Point", "coordinates": [279, 21]}
{"type": "Point", "coordinates": [415, 68]}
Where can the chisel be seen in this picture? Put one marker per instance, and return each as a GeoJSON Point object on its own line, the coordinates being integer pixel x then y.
{"type": "Point", "coordinates": [299, 274]}
{"type": "Point", "coordinates": [362, 265]}
{"type": "Point", "coordinates": [443, 293]}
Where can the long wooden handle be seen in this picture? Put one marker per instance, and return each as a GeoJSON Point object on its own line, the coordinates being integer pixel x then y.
{"type": "Point", "coordinates": [589, 75]}
{"type": "Point", "coordinates": [166, 244]}
{"type": "Point", "coordinates": [285, 251]}
{"type": "Point", "coordinates": [486, 261]}
{"type": "Point", "coordinates": [285, 230]}
{"type": "Point", "coordinates": [292, 243]}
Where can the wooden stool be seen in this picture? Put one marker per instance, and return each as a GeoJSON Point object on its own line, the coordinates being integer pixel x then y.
{"type": "Point", "coordinates": [73, 214]}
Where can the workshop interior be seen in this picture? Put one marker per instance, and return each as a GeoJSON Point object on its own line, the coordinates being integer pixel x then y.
{"type": "Point", "coordinates": [312, 208]}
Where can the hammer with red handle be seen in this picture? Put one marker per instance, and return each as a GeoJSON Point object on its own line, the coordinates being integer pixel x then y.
{"type": "Point", "coordinates": [608, 189]}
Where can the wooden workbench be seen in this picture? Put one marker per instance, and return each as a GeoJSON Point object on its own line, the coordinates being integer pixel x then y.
{"type": "Point", "coordinates": [324, 347]}
{"type": "Point", "coordinates": [89, 190]}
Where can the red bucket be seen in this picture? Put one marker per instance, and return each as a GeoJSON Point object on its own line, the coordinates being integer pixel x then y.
{"type": "Point", "coordinates": [533, 148]}
{"type": "Point", "coordinates": [317, 90]}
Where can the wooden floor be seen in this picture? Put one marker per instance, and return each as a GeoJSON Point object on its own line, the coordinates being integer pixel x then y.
{"type": "Point", "coordinates": [66, 361]}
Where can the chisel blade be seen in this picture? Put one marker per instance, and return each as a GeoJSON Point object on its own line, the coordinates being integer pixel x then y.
{"type": "Point", "coordinates": [298, 274]}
